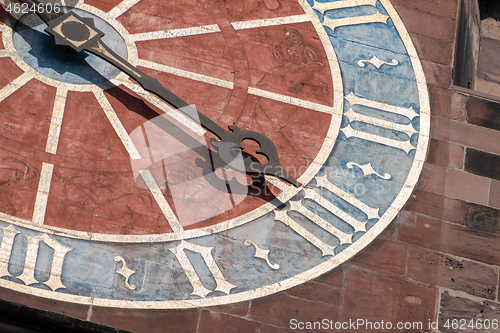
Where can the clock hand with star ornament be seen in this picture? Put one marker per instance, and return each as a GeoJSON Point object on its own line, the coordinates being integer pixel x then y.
{"type": "Point", "coordinates": [80, 34]}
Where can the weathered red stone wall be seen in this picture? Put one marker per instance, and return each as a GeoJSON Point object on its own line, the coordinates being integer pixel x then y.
{"type": "Point", "coordinates": [439, 260]}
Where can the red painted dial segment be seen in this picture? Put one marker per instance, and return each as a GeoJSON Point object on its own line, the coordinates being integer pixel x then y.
{"type": "Point", "coordinates": [260, 79]}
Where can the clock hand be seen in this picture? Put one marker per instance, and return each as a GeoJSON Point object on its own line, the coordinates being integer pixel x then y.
{"type": "Point", "coordinates": [81, 34]}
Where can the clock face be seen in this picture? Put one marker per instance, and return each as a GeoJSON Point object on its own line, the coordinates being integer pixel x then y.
{"type": "Point", "coordinates": [109, 196]}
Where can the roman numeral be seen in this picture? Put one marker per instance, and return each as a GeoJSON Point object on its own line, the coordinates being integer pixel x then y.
{"type": "Point", "coordinates": [323, 7]}
{"type": "Point", "coordinates": [313, 195]}
{"type": "Point", "coordinates": [9, 233]}
{"type": "Point", "coordinates": [409, 113]}
{"type": "Point", "coordinates": [28, 275]}
{"type": "Point", "coordinates": [206, 253]}
{"type": "Point", "coordinates": [371, 213]}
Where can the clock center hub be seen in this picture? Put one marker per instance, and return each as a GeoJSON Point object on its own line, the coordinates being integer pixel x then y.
{"type": "Point", "coordinates": [75, 31]}
{"type": "Point", "coordinates": [37, 48]}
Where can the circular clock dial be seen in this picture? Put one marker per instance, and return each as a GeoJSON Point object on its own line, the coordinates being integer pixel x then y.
{"type": "Point", "coordinates": [97, 173]}
{"type": "Point", "coordinates": [92, 188]}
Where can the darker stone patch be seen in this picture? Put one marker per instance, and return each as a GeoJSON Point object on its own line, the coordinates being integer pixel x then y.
{"type": "Point", "coordinates": [488, 65]}
{"type": "Point", "coordinates": [465, 309]}
{"type": "Point", "coordinates": [445, 154]}
{"type": "Point", "coordinates": [483, 218]}
{"type": "Point", "coordinates": [438, 269]}
{"type": "Point", "coordinates": [482, 163]}
{"type": "Point", "coordinates": [455, 264]}
{"type": "Point", "coordinates": [467, 39]}
{"type": "Point", "coordinates": [433, 234]}
{"type": "Point", "coordinates": [483, 113]}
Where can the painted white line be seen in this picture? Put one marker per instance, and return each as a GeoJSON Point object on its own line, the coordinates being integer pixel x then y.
{"type": "Point", "coordinates": [160, 104]}
{"type": "Point", "coordinates": [174, 33]}
{"type": "Point", "coordinates": [117, 125]}
{"type": "Point", "coordinates": [161, 201]}
{"type": "Point", "coordinates": [56, 120]}
{"type": "Point", "coordinates": [270, 22]}
{"type": "Point", "coordinates": [4, 53]}
{"type": "Point", "coordinates": [291, 100]}
{"type": "Point", "coordinates": [214, 28]}
{"type": "Point", "coordinates": [15, 85]}
{"type": "Point", "coordinates": [42, 195]}
{"type": "Point", "coordinates": [187, 74]}
{"type": "Point", "coordinates": [134, 154]}
{"type": "Point", "coordinates": [122, 8]}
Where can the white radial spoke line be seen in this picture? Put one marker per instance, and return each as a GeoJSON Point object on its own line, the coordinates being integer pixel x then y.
{"type": "Point", "coordinates": [135, 155]}
{"type": "Point", "coordinates": [291, 100]}
{"type": "Point", "coordinates": [122, 8]}
{"type": "Point", "coordinates": [276, 182]}
{"type": "Point", "coordinates": [186, 74]}
{"type": "Point", "coordinates": [229, 85]}
{"type": "Point", "coordinates": [160, 104]}
{"type": "Point", "coordinates": [42, 194]}
{"type": "Point", "coordinates": [174, 33]}
{"type": "Point", "coordinates": [15, 85]}
{"type": "Point", "coordinates": [270, 22]}
{"type": "Point", "coordinates": [161, 201]}
{"type": "Point", "coordinates": [56, 120]}
{"type": "Point", "coordinates": [4, 53]}
{"type": "Point", "coordinates": [117, 125]}
{"type": "Point", "coordinates": [214, 28]}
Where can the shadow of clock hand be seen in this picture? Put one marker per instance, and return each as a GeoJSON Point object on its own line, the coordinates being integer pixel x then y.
{"type": "Point", "coordinates": [138, 106]}
{"type": "Point", "coordinates": [258, 188]}
{"type": "Point", "coordinates": [61, 59]}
